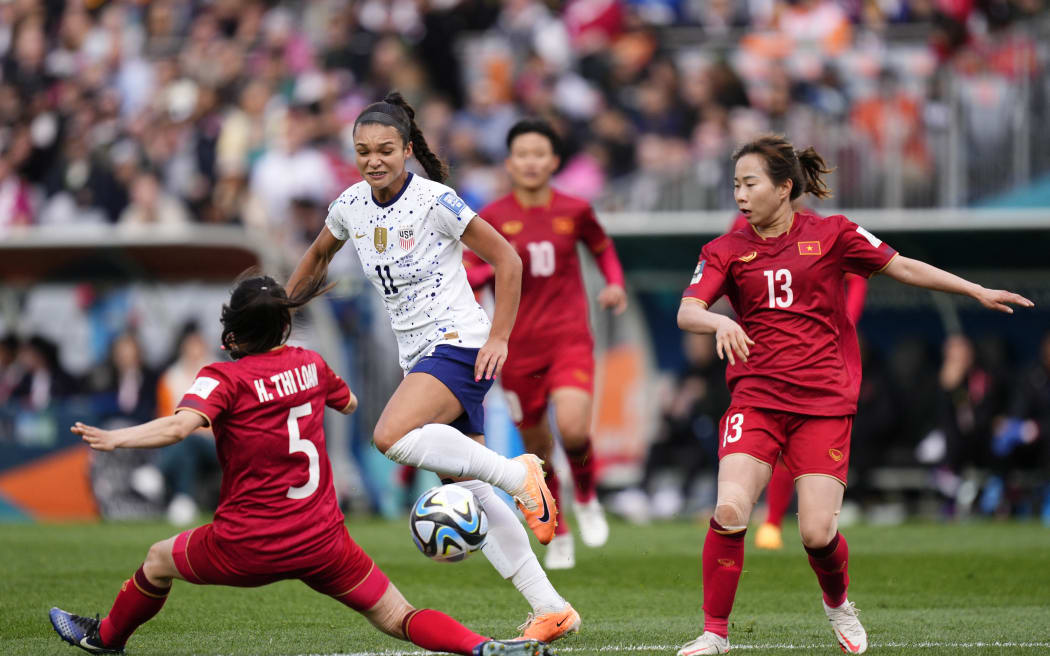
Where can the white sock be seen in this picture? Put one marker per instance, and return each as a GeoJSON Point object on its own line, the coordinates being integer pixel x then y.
{"type": "Point", "coordinates": [447, 452]}
{"type": "Point", "coordinates": [507, 548]}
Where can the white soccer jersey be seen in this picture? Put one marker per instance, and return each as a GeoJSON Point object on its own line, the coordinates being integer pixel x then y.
{"type": "Point", "coordinates": [409, 248]}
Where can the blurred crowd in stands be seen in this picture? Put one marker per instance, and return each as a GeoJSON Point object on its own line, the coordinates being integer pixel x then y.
{"type": "Point", "coordinates": [160, 114]}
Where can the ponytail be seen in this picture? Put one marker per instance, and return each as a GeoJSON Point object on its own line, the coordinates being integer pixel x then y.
{"type": "Point", "coordinates": [805, 168]}
{"type": "Point", "coordinates": [813, 168]}
{"type": "Point", "coordinates": [258, 317]}
{"type": "Point", "coordinates": [397, 113]}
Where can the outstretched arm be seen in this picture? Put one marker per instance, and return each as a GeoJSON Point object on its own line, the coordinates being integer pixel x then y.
{"type": "Point", "coordinates": [159, 432]}
{"type": "Point", "coordinates": [314, 263]}
{"type": "Point", "coordinates": [920, 274]}
{"type": "Point", "coordinates": [730, 338]}
{"type": "Point", "coordinates": [483, 239]}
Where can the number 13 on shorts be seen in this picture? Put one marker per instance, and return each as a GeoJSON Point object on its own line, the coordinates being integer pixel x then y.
{"type": "Point", "coordinates": [733, 429]}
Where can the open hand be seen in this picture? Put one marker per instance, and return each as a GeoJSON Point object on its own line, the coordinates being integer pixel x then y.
{"type": "Point", "coordinates": [1000, 299]}
{"type": "Point", "coordinates": [97, 439]}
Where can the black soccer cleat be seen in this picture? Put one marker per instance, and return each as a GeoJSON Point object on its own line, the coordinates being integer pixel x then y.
{"type": "Point", "coordinates": [80, 632]}
{"type": "Point", "coordinates": [517, 647]}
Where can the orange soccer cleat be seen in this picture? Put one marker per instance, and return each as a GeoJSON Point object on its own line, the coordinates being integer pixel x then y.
{"type": "Point", "coordinates": [549, 627]}
{"type": "Point", "coordinates": [536, 501]}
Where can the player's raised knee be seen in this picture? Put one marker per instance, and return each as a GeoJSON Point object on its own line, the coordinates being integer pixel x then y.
{"type": "Point", "coordinates": [385, 436]}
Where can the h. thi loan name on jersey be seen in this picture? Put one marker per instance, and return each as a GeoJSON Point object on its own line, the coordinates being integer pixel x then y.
{"type": "Point", "coordinates": [287, 382]}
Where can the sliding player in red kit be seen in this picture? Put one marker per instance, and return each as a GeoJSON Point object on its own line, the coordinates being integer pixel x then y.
{"type": "Point", "coordinates": [782, 486]}
{"type": "Point", "coordinates": [277, 517]}
{"type": "Point", "coordinates": [794, 369]}
{"type": "Point", "coordinates": [551, 352]}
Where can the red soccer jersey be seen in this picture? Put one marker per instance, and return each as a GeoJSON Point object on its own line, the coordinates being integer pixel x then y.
{"type": "Point", "coordinates": [553, 299]}
{"type": "Point", "coordinates": [788, 294]}
{"type": "Point", "coordinates": [277, 501]}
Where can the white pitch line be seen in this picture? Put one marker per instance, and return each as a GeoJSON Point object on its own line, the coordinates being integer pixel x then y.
{"type": "Point", "coordinates": [770, 646]}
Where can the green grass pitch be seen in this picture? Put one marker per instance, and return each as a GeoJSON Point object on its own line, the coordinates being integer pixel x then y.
{"type": "Point", "coordinates": [975, 588]}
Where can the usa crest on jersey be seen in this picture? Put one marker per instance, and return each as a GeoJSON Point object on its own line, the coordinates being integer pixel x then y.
{"type": "Point", "coordinates": [406, 237]}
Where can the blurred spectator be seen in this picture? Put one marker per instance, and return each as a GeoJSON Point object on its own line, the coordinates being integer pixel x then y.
{"type": "Point", "coordinates": [970, 398]}
{"type": "Point", "coordinates": [43, 379]}
{"type": "Point", "coordinates": [125, 387]}
{"type": "Point", "coordinates": [151, 206]}
{"type": "Point", "coordinates": [296, 169]}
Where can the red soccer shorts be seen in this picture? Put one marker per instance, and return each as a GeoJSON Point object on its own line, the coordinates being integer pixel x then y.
{"type": "Point", "coordinates": [809, 444]}
{"type": "Point", "coordinates": [343, 571]}
{"type": "Point", "coordinates": [529, 378]}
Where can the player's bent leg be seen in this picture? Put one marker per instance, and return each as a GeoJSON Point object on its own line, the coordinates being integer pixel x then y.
{"type": "Point", "coordinates": [140, 598]}
{"type": "Point", "coordinates": [508, 550]}
{"type": "Point", "coordinates": [412, 431]}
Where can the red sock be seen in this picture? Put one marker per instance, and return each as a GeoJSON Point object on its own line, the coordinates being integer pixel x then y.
{"type": "Point", "coordinates": [581, 460]}
{"type": "Point", "coordinates": [831, 564]}
{"type": "Point", "coordinates": [723, 560]}
{"type": "Point", "coordinates": [436, 631]}
{"type": "Point", "coordinates": [137, 602]}
{"type": "Point", "coordinates": [778, 494]}
{"type": "Point", "coordinates": [554, 483]}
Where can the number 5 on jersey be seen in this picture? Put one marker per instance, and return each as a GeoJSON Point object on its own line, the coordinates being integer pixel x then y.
{"type": "Point", "coordinates": [734, 428]}
{"type": "Point", "coordinates": [296, 445]}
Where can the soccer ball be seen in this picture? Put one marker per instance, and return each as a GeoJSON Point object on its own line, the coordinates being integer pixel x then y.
{"type": "Point", "coordinates": [447, 524]}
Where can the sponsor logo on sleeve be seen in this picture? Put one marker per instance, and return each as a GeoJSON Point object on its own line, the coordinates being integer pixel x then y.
{"type": "Point", "coordinates": [872, 239]}
{"type": "Point", "coordinates": [453, 202]}
{"type": "Point", "coordinates": [203, 387]}
{"type": "Point", "coordinates": [698, 272]}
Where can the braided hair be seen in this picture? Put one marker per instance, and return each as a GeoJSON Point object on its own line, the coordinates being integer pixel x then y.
{"type": "Point", "coordinates": [398, 114]}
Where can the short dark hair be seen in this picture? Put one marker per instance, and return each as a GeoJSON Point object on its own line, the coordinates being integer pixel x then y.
{"type": "Point", "coordinates": [258, 316]}
{"type": "Point", "coordinates": [538, 126]}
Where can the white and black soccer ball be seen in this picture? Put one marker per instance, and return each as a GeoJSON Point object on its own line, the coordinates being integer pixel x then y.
{"type": "Point", "coordinates": [448, 524]}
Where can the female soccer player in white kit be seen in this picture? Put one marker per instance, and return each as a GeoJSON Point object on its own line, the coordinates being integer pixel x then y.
{"type": "Point", "coordinates": [407, 231]}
